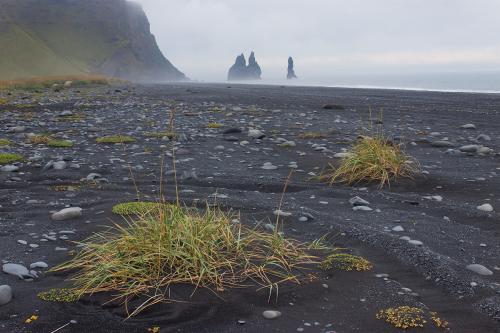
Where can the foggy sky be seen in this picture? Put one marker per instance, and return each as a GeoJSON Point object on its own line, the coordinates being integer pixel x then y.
{"type": "Point", "coordinates": [328, 37]}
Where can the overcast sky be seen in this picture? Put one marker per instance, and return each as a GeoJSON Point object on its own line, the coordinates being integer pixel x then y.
{"type": "Point", "coordinates": [328, 37]}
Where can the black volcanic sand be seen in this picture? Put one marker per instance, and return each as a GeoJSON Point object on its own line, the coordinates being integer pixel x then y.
{"type": "Point", "coordinates": [432, 276]}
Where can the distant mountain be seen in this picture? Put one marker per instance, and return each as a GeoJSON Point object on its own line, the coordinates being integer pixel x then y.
{"type": "Point", "coordinates": [60, 37]}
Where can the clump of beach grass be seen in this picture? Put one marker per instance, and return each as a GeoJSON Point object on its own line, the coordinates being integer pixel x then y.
{"type": "Point", "coordinates": [312, 135]}
{"type": "Point", "coordinates": [373, 159]}
{"type": "Point", "coordinates": [6, 158]}
{"type": "Point", "coordinates": [116, 139]}
{"type": "Point", "coordinates": [173, 244]}
{"type": "Point", "coordinates": [60, 143]}
{"type": "Point", "coordinates": [43, 139]}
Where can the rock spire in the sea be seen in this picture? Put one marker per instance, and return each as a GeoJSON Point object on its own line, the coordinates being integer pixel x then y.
{"type": "Point", "coordinates": [253, 68]}
{"type": "Point", "coordinates": [240, 71]}
{"type": "Point", "coordinates": [291, 72]}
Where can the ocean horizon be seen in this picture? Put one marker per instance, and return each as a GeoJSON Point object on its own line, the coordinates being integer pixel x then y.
{"type": "Point", "coordinates": [486, 83]}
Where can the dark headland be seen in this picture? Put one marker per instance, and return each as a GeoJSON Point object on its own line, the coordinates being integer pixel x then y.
{"type": "Point", "coordinates": [67, 37]}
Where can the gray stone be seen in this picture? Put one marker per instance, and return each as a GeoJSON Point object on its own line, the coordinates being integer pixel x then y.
{"type": "Point", "coordinates": [39, 264]}
{"type": "Point", "coordinates": [469, 148]}
{"type": "Point", "coordinates": [67, 213]}
{"type": "Point", "coordinates": [357, 201]}
{"type": "Point", "coordinates": [271, 314]}
{"type": "Point", "coordinates": [256, 134]}
{"type": "Point", "coordinates": [361, 208]}
{"type": "Point", "coordinates": [5, 294]}
{"type": "Point", "coordinates": [398, 229]}
{"type": "Point", "coordinates": [17, 270]}
{"type": "Point", "coordinates": [486, 208]}
{"type": "Point", "coordinates": [479, 269]}
{"type": "Point", "coordinates": [415, 242]}
{"type": "Point", "coordinates": [468, 126]}
{"type": "Point", "coordinates": [9, 168]}
{"type": "Point", "coordinates": [442, 144]}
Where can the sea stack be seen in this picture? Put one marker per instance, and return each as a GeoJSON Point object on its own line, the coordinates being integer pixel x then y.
{"type": "Point", "coordinates": [240, 71]}
{"type": "Point", "coordinates": [253, 70]}
{"type": "Point", "coordinates": [291, 72]}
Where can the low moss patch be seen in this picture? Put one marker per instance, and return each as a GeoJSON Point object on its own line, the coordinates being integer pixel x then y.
{"type": "Point", "coordinates": [136, 208]}
{"type": "Point", "coordinates": [167, 134]}
{"type": "Point", "coordinates": [373, 159]}
{"type": "Point", "coordinates": [39, 139]}
{"type": "Point", "coordinates": [6, 158]}
{"type": "Point", "coordinates": [60, 143]}
{"type": "Point", "coordinates": [312, 135]}
{"type": "Point", "coordinates": [346, 262]}
{"type": "Point", "coordinates": [116, 139]}
{"type": "Point", "coordinates": [214, 125]}
{"type": "Point", "coordinates": [406, 317]}
{"type": "Point", "coordinates": [5, 142]}
{"type": "Point", "coordinates": [59, 295]}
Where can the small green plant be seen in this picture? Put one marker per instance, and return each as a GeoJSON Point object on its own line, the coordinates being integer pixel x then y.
{"type": "Point", "coordinates": [407, 317]}
{"type": "Point", "coordinates": [167, 134]}
{"type": "Point", "coordinates": [136, 208]}
{"type": "Point", "coordinates": [373, 159]}
{"type": "Point", "coordinates": [116, 139]}
{"type": "Point", "coordinates": [5, 142]}
{"type": "Point", "coordinates": [39, 139]}
{"type": "Point", "coordinates": [6, 158]}
{"type": "Point", "coordinates": [60, 143]}
{"type": "Point", "coordinates": [312, 135]}
{"type": "Point", "coordinates": [214, 125]}
{"type": "Point", "coordinates": [346, 262]}
{"type": "Point", "coordinates": [59, 295]}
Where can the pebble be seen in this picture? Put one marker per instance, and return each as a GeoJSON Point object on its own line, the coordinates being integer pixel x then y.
{"type": "Point", "coordinates": [269, 166]}
{"type": "Point", "coordinates": [468, 126]}
{"type": "Point", "coordinates": [271, 314]}
{"type": "Point", "coordinates": [469, 148]}
{"type": "Point", "coordinates": [67, 213]}
{"type": "Point", "coordinates": [485, 208]}
{"type": "Point", "coordinates": [256, 134]}
{"type": "Point", "coordinates": [415, 242]}
{"type": "Point", "coordinates": [39, 264]}
{"type": "Point", "coordinates": [303, 219]}
{"type": "Point", "coordinates": [5, 294]}
{"type": "Point", "coordinates": [398, 229]}
{"type": "Point", "coordinates": [362, 208]}
{"type": "Point", "coordinates": [357, 201]}
{"type": "Point", "coordinates": [442, 144]}
{"type": "Point", "coordinates": [9, 168]}
{"type": "Point", "coordinates": [479, 269]}
{"type": "Point", "coordinates": [279, 212]}
{"type": "Point", "coordinates": [17, 270]}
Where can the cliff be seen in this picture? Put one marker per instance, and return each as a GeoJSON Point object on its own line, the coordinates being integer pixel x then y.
{"type": "Point", "coordinates": [60, 37]}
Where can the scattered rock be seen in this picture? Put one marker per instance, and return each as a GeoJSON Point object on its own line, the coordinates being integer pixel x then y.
{"type": "Point", "coordinates": [67, 214]}
{"type": "Point", "coordinates": [271, 314]}
{"type": "Point", "coordinates": [17, 270]}
{"type": "Point", "coordinates": [5, 294]}
{"type": "Point", "coordinates": [468, 126]}
{"type": "Point", "coordinates": [486, 208]}
{"type": "Point", "coordinates": [479, 269]}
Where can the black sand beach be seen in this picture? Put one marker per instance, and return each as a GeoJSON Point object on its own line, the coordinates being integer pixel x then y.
{"type": "Point", "coordinates": [437, 211]}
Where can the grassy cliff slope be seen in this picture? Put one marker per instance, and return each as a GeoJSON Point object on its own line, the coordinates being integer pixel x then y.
{"type": "Point", "coordinates": [64, 37]}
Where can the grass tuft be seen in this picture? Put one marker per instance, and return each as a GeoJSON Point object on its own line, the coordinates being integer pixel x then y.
{"type": "Point", "coordinates": [6, 158]}
{"type": "Point", "coordinates": [39, 139]}
{"type": "Point", "coordinates": [373, 159]}
{"type": "Point", "coordinates": [174, 245]}
{"type": "Point", "coordinates": [116, 139]}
